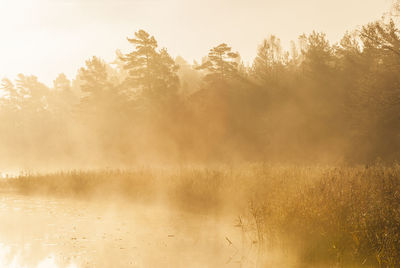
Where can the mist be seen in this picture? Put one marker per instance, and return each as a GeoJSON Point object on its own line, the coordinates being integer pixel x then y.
{"type": "Point", "coordinates": [285, 156]}
{"type": "Point", "coordinates": [317, 103]}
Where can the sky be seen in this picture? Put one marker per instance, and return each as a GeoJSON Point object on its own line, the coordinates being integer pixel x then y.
{"type": "Point", "coordinates": [48, 37]}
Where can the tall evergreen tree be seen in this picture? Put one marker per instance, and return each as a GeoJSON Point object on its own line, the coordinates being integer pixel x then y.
{"type": "Point", "coordinates": [62, 83]}
{"type": "Point", "coordinates": [152, 71]}
{"type": "Point", "coordinates": [221, 64]}
{"type": "Point", "coordinates": [94, 77]}
{"type": "Point", "coordinates": [269, 61]}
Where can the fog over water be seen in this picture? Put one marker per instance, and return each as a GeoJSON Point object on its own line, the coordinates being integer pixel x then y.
{"type": "Point", "coordinates": [74, 234]}
{"type": "Point", "coordinates": [171, 133]}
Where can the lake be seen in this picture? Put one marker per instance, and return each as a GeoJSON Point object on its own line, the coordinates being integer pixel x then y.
{"type": "Point", "coordinates": [54, 232]}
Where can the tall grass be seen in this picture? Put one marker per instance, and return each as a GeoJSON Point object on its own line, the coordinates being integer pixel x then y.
{"type": "Point", "coordinates": [342, 217]}
{"type": "Point", "coordinates": [314, 216]}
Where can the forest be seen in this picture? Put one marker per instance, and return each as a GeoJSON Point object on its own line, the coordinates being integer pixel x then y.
{"type": "Point", "coordinates": [316, 103]}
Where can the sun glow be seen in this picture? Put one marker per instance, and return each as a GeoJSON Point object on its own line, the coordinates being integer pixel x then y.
{"type": "Point", "coordinates": [10, 259]}
{"type": "Point", "coordinates": [45, 38]}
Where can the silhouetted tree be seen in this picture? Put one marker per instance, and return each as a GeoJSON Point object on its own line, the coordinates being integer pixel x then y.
{"type": "Point", "coordinates": [94, 78]}
{"type": "Point", "coordinates": [153, 72]}
{"type": "Point", "coordinates": [220, 64]}
{"type": "Point", "coordinates": [61, 83]}
{"type": "Point", "coordinates": [270, 60]}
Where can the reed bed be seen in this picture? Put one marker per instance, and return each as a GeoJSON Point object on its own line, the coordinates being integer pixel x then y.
{"type": "Point", "coordinates": [313, 216]}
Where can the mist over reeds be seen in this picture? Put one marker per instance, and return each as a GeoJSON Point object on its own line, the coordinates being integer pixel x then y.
{"type": "Point", "coordinates": [292, 216]}
{"type": "Point", "coordinates": [300, 146]}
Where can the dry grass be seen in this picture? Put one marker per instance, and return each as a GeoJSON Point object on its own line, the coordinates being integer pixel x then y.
{"type": "Point", "coordinates": [317, 216]}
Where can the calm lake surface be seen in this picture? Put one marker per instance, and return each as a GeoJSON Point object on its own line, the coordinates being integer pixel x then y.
{"type": "Point", "coordinates": [53, 232]}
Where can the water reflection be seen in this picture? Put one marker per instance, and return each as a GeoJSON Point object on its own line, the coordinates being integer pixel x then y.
{"type": "Point", "coordinates": [58, 233]}
{"type": "Point", "coordinates": [11, 259]}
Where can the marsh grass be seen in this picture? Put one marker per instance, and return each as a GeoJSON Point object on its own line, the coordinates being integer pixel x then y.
{"type": "Point", "coordinates": [332, 217]}
{"type": "Point", "coordinates": [312, 216]}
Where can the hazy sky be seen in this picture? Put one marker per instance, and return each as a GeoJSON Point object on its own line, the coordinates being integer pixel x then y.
{"type": "Point", "coordinates": [46, 37]}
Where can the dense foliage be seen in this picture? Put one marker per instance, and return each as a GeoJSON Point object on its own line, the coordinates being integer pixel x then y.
{"type": "Point", "coordinates": [318, 102]}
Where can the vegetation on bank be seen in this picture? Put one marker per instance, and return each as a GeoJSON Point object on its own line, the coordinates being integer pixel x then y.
{"type": "Point", "coordinates": [320, 216]}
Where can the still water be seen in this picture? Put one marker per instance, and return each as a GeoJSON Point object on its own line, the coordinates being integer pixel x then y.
{"type": "Point", "coordinates": [49, 232]}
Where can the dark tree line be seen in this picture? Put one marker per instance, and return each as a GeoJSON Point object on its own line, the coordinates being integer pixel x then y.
{"type": "Point", "coordinates": [317, 102]}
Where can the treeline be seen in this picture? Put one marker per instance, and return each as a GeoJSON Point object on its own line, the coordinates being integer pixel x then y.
{"type": "Point", "coordinates": [317, 102]}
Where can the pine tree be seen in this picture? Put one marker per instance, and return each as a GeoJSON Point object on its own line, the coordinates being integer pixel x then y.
{"type": "Point", "coordinates": [269, 61]}
{"type": "Point", "coordinates": [151, 71]}
{"type": "Point", "coordinates": [221, 64]}
{"type": "Point", "coordinates": [62, 83]}
{"type": "Point", "coordinates": [94, 77]}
